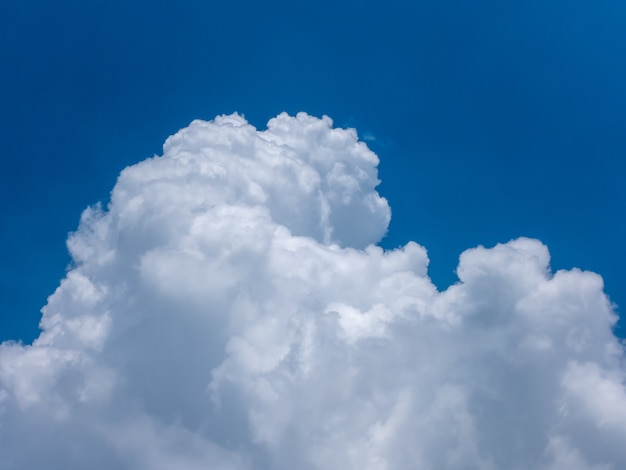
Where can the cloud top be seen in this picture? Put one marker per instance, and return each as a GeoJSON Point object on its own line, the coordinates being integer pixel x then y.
{"type": "Point", "coordinates": [230, 310]}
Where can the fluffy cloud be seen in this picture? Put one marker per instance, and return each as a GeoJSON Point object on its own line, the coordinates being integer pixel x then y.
{"type": "Point", "coordinates": [230, 310]}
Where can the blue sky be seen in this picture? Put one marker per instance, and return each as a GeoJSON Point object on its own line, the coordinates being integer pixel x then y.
{"type": "Point", "coordinates": [491, 121]}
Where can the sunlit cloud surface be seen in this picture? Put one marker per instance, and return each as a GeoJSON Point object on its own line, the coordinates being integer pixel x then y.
{"type": "Point", "coordinates": [229, 309]}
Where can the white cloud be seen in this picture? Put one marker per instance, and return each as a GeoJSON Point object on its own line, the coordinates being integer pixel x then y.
{"type": "Point", "coordinates": [229, 310]}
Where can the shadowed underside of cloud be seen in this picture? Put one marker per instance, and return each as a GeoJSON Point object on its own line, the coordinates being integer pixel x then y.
{"type": "Point", "coordinates": [229, 310]}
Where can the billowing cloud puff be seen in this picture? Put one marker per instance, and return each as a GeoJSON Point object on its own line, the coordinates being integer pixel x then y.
{"type": "Point", "coordinates": [230, 310]}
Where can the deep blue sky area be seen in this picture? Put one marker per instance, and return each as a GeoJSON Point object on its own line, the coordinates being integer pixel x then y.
{"type": "Point", "coordinates": [492, 119]}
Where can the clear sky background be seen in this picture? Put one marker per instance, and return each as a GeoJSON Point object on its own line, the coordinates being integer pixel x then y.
{"type": "Point", "coordinates": [492, 120]}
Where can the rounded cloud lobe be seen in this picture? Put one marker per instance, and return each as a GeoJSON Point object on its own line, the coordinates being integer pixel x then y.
{"type": "Point", "coordinates": [230, 310]}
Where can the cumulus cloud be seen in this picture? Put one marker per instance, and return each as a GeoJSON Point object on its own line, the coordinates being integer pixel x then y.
{"type": "Point", "coordinates": [229, 309]}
